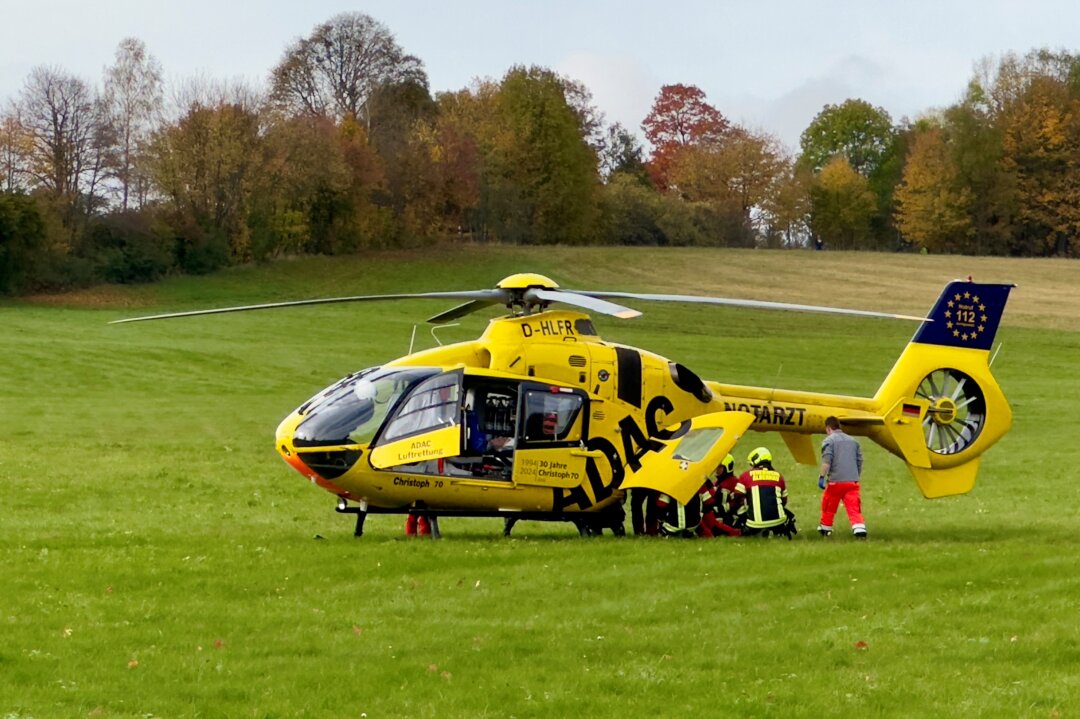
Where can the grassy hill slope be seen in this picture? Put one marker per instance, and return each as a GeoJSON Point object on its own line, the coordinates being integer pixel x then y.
{"type": "Point", "coordinates": [160, 560]}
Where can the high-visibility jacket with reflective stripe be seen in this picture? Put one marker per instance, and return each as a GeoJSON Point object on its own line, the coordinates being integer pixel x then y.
{"type": "Point", "coordinates": [675, 517]}
{"type": "Point", "coordinates": [726, 500]}
{"type": "Point", "coordinates": [766, 495]}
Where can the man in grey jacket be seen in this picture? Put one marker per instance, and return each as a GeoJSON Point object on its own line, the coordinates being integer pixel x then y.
{"type": "Point", "coordinates": [841, 468]}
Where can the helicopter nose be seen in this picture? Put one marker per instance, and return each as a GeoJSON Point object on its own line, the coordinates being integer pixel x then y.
{"type": "Point", "coordinates": [287, 450]}
{"type": "Point", "coordinates": [293, 460]}
{"type": "Point", "coordinates": [319, 464]}
{"type": "Point", "coordinates": [321, 468]}
{"type": "Point", "coordinates": [327, 464]}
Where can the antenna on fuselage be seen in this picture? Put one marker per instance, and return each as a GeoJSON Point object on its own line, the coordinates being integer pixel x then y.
{"type": "Point", "coordinates": [772, 391]}
{"type": "Point", "coordinates": [439, 327]}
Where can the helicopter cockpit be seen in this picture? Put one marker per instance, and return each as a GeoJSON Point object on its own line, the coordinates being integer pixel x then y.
{"type": "Point", "coordinates": [423, 420]}
{"type": "Point", "coordinates": [353, 410]}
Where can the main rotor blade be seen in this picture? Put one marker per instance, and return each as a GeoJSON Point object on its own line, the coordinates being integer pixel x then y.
{"type": "Point", "coordinates": [757, 304]}
{"type": "Point", "coordinates": [461, 310]}
{"type": "Point", "coordinates": [494, 296]}
{"type": "Point", "coordinates": [582, 300]}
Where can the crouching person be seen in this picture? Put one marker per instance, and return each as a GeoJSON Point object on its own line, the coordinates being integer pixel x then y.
{"type": "Point", "coordinates": [683, 520]}
{"type": "Point", "coordinates": [765, 496]}
{"type": "Point", "coordinates": [724, 520]}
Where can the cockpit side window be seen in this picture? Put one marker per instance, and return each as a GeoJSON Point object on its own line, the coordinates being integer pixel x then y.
{"type": "Point", "coordinates": [552, 417]}
{"type": "Point", "coordinates": [434, 404]}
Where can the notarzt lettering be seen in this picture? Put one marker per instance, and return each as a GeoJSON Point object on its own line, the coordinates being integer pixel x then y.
{"type": "Point", "coordinates": [771, 414]}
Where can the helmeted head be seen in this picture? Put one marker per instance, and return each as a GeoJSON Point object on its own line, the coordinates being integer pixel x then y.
{"type": "Point", "coordinates": [727, 466]}
{"type": "Point", "coordinates": [759, 456]}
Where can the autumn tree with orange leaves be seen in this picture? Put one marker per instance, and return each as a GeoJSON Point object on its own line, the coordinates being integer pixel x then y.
{"type": "Point", "coordinates": [679, 118]}
{"type": "Point", "coordinates": [933, 206]}
{"type": "Point", "coordinates": [1042, 152]}
{"type": "Point", "coordinates": [844, 206]}
{"type": "Point", "coordinates": [738, 174]}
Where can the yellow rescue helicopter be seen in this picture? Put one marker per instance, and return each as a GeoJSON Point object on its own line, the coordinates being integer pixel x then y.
{"type": "Point", "coordinates": [540, 418]}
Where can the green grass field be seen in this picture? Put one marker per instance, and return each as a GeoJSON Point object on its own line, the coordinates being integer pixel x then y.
{"type": "Point", "coordinates": [159, 560]}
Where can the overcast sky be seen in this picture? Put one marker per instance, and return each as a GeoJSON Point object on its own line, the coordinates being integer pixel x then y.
{"type": "Point", "coordinates": [768, 64]}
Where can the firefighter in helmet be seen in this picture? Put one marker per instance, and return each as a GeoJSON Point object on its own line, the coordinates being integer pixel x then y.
{"type": "Point", "coordinates": [724, 519]}
{"type": "Point", "coordinates": [764, 495]}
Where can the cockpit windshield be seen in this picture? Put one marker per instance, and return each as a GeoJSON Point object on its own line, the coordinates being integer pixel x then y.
{"type": "Point", "coordinates": [352, 411]}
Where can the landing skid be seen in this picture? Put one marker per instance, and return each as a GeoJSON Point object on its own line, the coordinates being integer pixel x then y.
{"type": "Point", "coordinates": [590, 525]}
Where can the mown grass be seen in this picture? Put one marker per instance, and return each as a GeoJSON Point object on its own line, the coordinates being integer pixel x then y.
{"type": "Point", "coordinates": [158, 559]}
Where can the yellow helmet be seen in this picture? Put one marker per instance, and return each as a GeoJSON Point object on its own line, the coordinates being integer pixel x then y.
{"type": "Point", "coordinates": [759, 455]}
{"type": "Point", "coordinates": [728, 464]}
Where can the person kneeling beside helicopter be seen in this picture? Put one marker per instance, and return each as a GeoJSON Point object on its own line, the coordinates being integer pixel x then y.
{"type": "Point", "coordinates": [724, 520]}
{"type": "Point", "coordinates": [684, 520]}
{"type": "Point", "coordinates": [765, 496]}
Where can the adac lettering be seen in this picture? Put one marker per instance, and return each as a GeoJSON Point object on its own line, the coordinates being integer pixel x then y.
{"type": "Point", "coordinates": [417, 451]}
{"type": "Point", "coordinates": [635, 444]}
{"type": "Point", "coordinates": [548, 328]}
{"type": "Point", "coordinates": [771, 414]}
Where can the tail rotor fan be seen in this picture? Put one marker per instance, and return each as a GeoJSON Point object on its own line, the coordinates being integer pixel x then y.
{"type": "Point", "coordinates": [957, 411]}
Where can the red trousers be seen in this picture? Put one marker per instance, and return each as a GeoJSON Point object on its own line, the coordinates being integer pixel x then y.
{"type": "Point", "coordinates": [712, 526]}
{"type": "Point", "coordinates": [848, 493]}
{"type": "Point", "coordinates": [417, 524]}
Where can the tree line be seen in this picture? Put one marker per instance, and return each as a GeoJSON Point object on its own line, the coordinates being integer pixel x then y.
{"type": "Point", "coordinates": [346, 149]}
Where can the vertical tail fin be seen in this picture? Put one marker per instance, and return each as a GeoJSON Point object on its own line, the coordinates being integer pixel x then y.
{"type": "Point", "coordinates": [966, 314]}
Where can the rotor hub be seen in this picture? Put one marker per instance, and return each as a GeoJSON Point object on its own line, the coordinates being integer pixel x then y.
{"type": "Point", "coordinates": [524, 280]}
{"type": "Point", "coordinates": [942, 410]}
